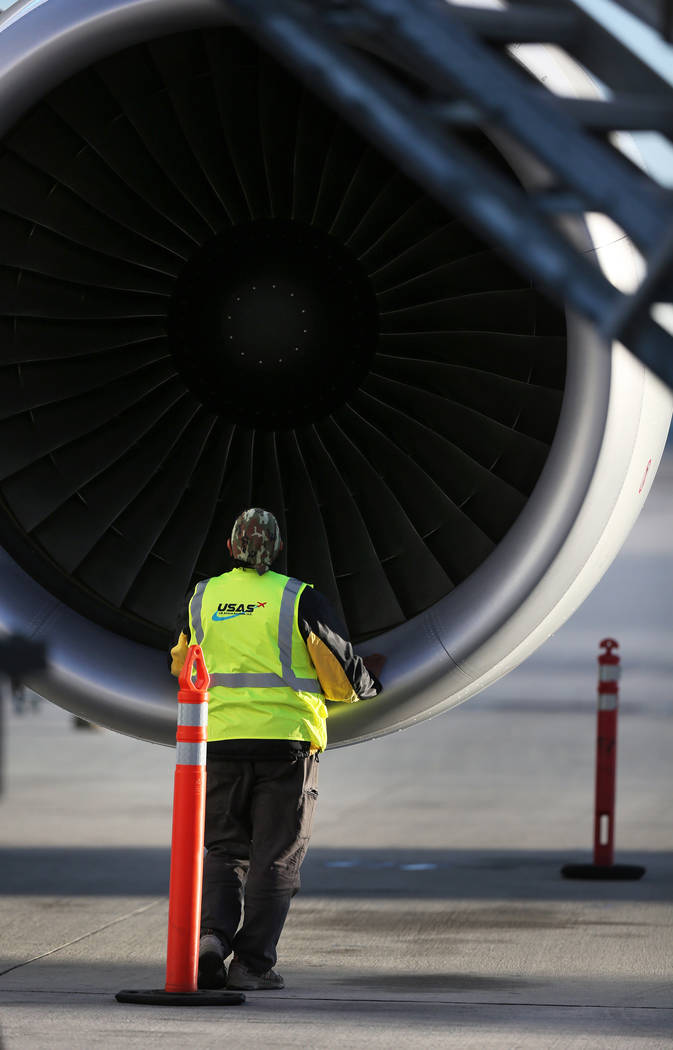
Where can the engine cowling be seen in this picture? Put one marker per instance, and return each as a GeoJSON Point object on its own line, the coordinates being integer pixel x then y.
{"type": "Point", "coordinates": [216, 294]}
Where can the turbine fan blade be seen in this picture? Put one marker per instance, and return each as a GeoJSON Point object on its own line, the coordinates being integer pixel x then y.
{"type": "Point", "coordinates": [214, 294]}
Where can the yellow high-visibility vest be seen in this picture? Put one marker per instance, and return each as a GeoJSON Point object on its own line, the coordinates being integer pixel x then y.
{"type": "Point", "coordinates": [263, 685]}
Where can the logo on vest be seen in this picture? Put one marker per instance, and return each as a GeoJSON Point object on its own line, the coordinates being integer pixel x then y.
{"type": "Point", "coordinates": [230, 610]}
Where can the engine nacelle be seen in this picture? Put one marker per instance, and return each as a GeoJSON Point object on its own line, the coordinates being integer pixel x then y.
{"type": "Point", "coordinates": [214, 294]}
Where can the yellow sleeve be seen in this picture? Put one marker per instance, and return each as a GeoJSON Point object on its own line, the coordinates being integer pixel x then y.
{"type": "Point", "coordinates": [335, 684]}
{"type": "Point", "coordinates": [179, 654]}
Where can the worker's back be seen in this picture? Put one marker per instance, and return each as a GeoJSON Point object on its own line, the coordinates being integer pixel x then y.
{"type": "Point", "coordinates": [263, 684]}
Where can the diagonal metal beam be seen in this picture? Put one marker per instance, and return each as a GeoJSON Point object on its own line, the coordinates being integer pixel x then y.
{"type": "Point", "coordinates": [623, 113]}
{"type": "Point", "coordinates": [405, 124]}
{"type": "Point", "coordinates": [429, 35]}
{"type": "Point", "coordinates": [598, 50]}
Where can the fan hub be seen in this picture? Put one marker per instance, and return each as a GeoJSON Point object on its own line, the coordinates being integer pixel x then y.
{"type": "Point", "coordinates": [273, 324]}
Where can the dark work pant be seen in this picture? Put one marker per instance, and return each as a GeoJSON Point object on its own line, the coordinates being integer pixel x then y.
{"type": "Point", "coordinates": [258, 824]}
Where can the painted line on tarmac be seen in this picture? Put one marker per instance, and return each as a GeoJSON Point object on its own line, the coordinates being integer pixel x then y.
{"type": "Point", "coordinates": [467, 1003]}
{"type": "Point", "coordinates": [83, 937]}
{"type": "Point", "coordinates": [18, 994]}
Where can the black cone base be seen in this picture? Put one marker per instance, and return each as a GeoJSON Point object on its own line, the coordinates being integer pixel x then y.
{"type": "Point", "coordinates": [607, 872]}
{"type": "Point", "coordinates": [160, 997]}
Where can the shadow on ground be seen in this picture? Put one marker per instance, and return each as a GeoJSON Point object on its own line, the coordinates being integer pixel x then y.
{"type": "Point", "coordinates": [433, 874]}
{"type": "Point", "coordinates": [393, 1000]}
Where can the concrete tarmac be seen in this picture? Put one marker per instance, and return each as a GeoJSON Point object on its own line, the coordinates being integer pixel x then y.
{"type": "Point", "coordinates": [433, 912]}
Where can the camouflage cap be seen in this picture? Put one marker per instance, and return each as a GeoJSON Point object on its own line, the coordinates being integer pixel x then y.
{"type": "Point", "coordinates": [255, 537]}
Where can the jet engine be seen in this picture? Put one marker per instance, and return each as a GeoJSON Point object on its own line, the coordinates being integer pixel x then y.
{"type": "Point", "coordinates": [214, 293]}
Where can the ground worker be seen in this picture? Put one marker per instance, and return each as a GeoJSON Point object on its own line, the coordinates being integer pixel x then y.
{"type": "Point", "coordinates": [275, 650]}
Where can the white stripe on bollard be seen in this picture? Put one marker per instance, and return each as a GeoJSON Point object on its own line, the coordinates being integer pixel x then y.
{"type": "Point", "coordinates": [190, 754]}
{"type": "Point", "coordinates": [609, 673]}
{"type": "Point", "coordinates": [193, 714]}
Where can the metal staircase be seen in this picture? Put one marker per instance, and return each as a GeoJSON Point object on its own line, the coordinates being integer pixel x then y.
{"type": "Point", "coordinates": [413, 75]}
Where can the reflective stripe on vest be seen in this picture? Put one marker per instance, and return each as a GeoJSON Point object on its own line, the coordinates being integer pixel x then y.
{"type": "Point", "coordinates": [285, 626]}
{"type": "Point", "coordinates": [195, 609]}
{"type": "Point", "coordinates": [244, 680]}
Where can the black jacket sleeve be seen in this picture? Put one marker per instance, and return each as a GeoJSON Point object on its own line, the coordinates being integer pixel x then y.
{"type": "Point", "coordinates": [316, 614]}
{"type": "Point", "coordinates": [182, 620]}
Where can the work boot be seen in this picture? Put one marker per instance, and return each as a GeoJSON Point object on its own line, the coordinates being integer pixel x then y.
{"type": "Point", "coordinates": [243, 979]}
{"type": "Point", "coordinates": [212, 973]}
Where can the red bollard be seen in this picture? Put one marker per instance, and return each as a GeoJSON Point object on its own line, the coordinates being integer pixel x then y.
{"type": "Point", "coordinates": [189, 805]}
{"type": "Point", "coordinates": [606, 770]}
{"type": "Point", "coordinates": [606, 752]}
{"type": "Point", "coordinates": [184, 897]}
